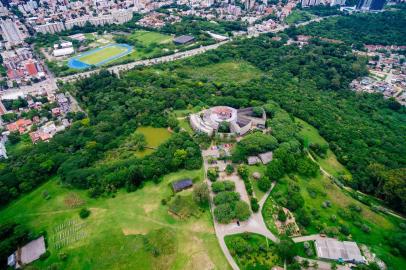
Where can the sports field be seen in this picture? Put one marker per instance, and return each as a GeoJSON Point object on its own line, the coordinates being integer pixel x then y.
{"type": "Point", "coordinates": [147, 37]}
{"type": "Point", "coordinates": [99, 56]}
{"type": "Point", "coordinates": [105, 53]}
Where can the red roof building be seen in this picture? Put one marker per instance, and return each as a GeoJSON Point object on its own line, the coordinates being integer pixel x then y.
{"type": "Point", "coordinates": [31, 68]}
{"type": "Point", "coordinates": [39, 136]}
{"type": "Point", "coordinates": [20, 125]}
{"type": "Point", "coordinates": [11, 74]}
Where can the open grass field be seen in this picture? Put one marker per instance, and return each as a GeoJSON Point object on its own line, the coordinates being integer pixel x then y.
{"type": "Point", "coordinates": [254, 182]}
{"type": "Point", "coordinates": [102, 54]}
{"type": "Point", "coordinates": [232, 71]}
{"type": "Point", "coordinates": [154, 138]}
{"type": "Point", "coordinates": [146, 37]}
{"type": "Point", "coordinates": [120, 231]}
{"type": "Point", "coordinates": [330, 162]}
{"type": "Point", "coordinates": [380, 225]}
{"type": "Point", "coordinates": [297, 16]}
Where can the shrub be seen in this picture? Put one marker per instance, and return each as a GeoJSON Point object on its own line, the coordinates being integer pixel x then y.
{"type": "Point", "coordinates": [309, 252]}
{"type": "Point", "coordinates": [344, 230]}
{"type": "Point", "coordinates": [355, 208]}
{"type": "Point", "coordinates": [201, 194]}
{"type": "Point", "coordinates": [242, 210]}
{"type": "Point", "coordinates": [326, 204]}
{"type": "Point", "coordinates": [254, 205]}
{"type": "Point", "coordinates": [212, 174]}
{"type": "Point", "coordinates": [295, 201]}
{"type": "Point", "coordinates": [224, 213]}
{"type": "Point", "coordinates": [264, 184]}
{"type": "Point", "coordinates": [163, 202]}
{"type": "Point", "coordinates": [248, 187]}
{"type": "Point", "coordinates": [229, 169]}
{"type": "Point", "coordinates": [62, 256]}
{"type": "Point", "coordinates": [84, 213]}
{"type": "Point", "coordinates": [223, 186]}
{"type": "Point", "coordinates": [303, 217]}
{"type": "Point", "coordinates": [281, 215]}
{"type": "Point", "coordinates": [45, 255]}
{"type": "Point", "coordinates": [229, 185]}
{"type": "Point", "coordinates": [239, 245]}
{"type": "Point", "coordinates": [365, 228]}
{"type": "Point", "coordinates": [306, 245]}
{"type": "Point", "coordinates": [226, 197]}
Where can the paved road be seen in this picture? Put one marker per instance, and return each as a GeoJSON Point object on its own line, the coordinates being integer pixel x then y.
{"type": "Point", "coordinates": [312, 237]}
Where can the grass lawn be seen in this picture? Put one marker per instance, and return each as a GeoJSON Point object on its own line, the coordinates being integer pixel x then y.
{"type": "Point", "coordinates": [330, 162]}
{"type": "Point", "coordinates": [89, 36]}
{"type": "Point", "coordinates": [231, 71]}
{"type": "Point", "coordinates": [297, 16]}
{"type": "Point", "coordinates": [322, 190]}
{"type": "Point", "coordinates": [118, 228]}
{"type": "Point", "coordinates": [254, 182]}
{"type": "Point", "coordinates": [268, 210]}
{"type": "Point", "coordinates": [101, 55]}
{"type": "Point", "coordinates": [252, 251]}
{"type": "Point", "coordinates": [301, 250]}
{"type": "Point", "coordinates": [184, 123]}
{"type": "Point", "coordinates": [147, 37]}
{"type": "Point", "coordinates": [154, 138]}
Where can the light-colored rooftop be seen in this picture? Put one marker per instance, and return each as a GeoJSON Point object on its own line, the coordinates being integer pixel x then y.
{"type": "Point", "coordinates": [330, 248]}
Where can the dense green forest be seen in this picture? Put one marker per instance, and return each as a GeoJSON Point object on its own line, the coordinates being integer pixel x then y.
{"type": "Point", "coordinates": [386, 28]}
{"type": "Point", "coordinates": [365, 131]}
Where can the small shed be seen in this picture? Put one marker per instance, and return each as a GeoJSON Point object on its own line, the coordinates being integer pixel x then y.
{"type": "Point", "coordinates": [252, 160]}
{"type": "Point", "coordinates": [28, 253]}
{"type": "Point", "coordinates": [266, 157]}
{"type": "Point", "coordinates": [183, 39]}
{"type": "Point", "coordinates": [182, 184]}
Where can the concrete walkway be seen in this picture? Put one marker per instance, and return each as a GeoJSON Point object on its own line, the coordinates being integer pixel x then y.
{"type": "Point", "coordinates": [312, 237]}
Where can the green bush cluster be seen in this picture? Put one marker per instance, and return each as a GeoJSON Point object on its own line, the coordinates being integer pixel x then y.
{"type": "Point", "coordinates": [220, 186]}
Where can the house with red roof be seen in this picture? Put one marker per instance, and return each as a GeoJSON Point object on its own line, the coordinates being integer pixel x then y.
{"type": "Point", "coordinates": [20, 125]}
{"type": "Point", "coordinates": [31, 68]}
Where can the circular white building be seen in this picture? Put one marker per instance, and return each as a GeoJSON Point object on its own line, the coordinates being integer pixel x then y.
{"type": "Point", "coordinates": [240, 121]}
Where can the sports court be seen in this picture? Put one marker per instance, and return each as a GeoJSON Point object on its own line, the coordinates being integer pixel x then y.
{"type": "Point", "coordinates": [99, 56]}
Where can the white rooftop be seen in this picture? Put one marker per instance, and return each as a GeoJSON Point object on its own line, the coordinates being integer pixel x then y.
{"type": "Point", "coordinates": [330, 248]}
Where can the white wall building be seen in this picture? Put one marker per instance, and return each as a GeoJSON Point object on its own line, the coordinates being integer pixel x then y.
{"type": "Point", "coordinates": [52, 28]}
{"type": "Point", "coordinates": [239, 121]}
